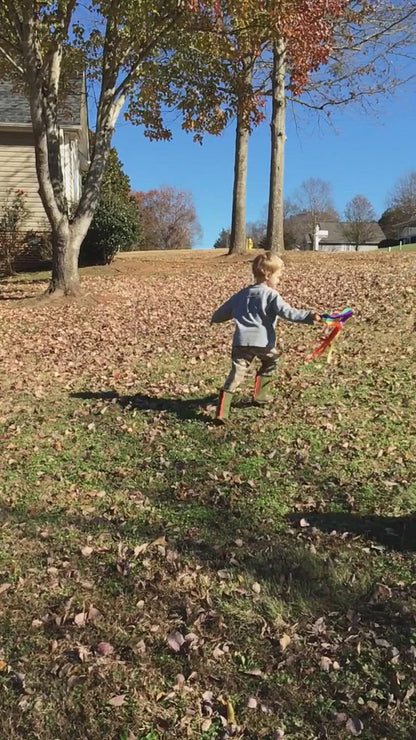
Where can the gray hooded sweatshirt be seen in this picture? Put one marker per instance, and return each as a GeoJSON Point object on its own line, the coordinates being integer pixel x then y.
{"type": "Point", "coordinates": [255, 311]}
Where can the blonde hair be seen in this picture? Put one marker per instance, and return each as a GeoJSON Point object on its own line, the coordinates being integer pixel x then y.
{"type": "Point", "coordinates": [266, 265]}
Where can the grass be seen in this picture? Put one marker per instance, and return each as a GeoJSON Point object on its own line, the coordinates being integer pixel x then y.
{"type": "Point", "coordinates": [142, 262]}
{"type": "Point", "coordinates": [404, 248]}
{"type": "Point", "coordinates": [281, 549]}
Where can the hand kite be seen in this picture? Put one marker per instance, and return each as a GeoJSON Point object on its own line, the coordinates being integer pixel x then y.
{"type": "Point", "coordinates": [338, 317]}
{"type": "Point", "coordinates": [337, 321]}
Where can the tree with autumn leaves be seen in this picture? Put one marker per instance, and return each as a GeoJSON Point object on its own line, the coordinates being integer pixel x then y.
{"type": "Point", "coordinates": [168, 219]}
{"type": "Point", "coordinates": [121, 46]}
{"type": "Point", "coordinates": [126, 48]}
{"type": "Point", "coordinates": [342, 55]}
{"type": "Point", "coordinates": [41, 43]}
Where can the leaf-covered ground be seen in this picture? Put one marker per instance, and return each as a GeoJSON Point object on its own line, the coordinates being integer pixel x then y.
{"type": "Point", "coordinates": [163, 578]}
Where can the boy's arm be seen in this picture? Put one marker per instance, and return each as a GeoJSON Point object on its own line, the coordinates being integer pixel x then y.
{"type": "Point", "coordinates": [223, 313]}
{"type": "Point", "coordinates": [284, 311]}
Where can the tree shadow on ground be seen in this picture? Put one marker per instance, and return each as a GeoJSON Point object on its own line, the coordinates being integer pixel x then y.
{"type": "Point", "coordinates": [188, 408]}
{"type": "Point", "coordinates": [183, 408]}
{"type": "Point", "coordinates": [32, 519]}
{"type": "Point", "coordinates": [7, 297]}
{"type": "Point", "coordinates": [289, 574]}
{"type": "Point", "coordinates": [395, 533]}
{"type": "Point", "coordinates": [20, 290]}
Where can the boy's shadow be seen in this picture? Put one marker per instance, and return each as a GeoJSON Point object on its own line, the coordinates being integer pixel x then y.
{"type": "Point", "coordinates": [394, 533]}
{"type": "Point", "coordinates": [183, 408]}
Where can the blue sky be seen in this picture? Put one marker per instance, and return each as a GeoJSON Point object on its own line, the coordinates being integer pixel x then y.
{"type": "Point", "coordinates": [357, 153]}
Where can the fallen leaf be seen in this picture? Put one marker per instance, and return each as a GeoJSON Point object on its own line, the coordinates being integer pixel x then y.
{"type": "Point", "coordinates": [83, 653]}
{"type": "Point", "coordinates": [223, 574]}
{"type": "Point", "coordinates": [104, 648]}
{"type": "Point", "coordinates": [5, 587]}
{"type": "Point", "coordinates": [180, 682]}
{"type": "Point", "coordinates": [117, 701]}
{"type": "Point", "coordinates": [325, 663]}
{"type": "Point", "coordinates": [80, 619]}
{"type": "Point", "coordinates": [217, 652]}
{"type": "Point", "coordinates": [175, 641]}
{"type": "Point", "coordinates": [409, 693]}
{"type": "Point", "coordinates": [381, 592]}
{"type": "Point", "coordinates": [72, 681]}
{"type": "Point", "coordinates": [341, 718]}
{"type": "Point", "coordinates": [93, 614]}
{"type": "Point", "coordinates": [382, 643]}
{"type": "Point", "coordinates": [139, 549]}
{"type": "Point", "coordinates": [354, 726]}
{"type": "Point", "coordinates": [87, 551]}
{"type": "Point", "coordinates": [206, 724]}
{"type": "Point", "coordinates": [160, 542]}
{"type": "Point", "coordinates": [285, 641]}
{"type": "Point", "coordinates": [256, 588]}
{"type": "Point", "coordinates": [230, 712]}
{"type": "Point", "coordinates": [253, 672]}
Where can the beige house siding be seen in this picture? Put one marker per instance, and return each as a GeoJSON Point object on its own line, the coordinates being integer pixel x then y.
{"type": "Point", "coordinates": [18, 171]}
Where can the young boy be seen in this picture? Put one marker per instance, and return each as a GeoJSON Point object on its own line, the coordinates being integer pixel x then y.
{"type": "Point", "coordinates": [255, 311]}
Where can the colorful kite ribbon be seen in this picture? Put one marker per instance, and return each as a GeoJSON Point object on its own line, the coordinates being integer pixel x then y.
{"type": "Point", "coordinates": [337, 322]}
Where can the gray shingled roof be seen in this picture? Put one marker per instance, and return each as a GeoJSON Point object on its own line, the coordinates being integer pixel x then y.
{"type": "Point", "coordinates": [336, 234]}
{"type": "Point", "coordinates": [14, 106]}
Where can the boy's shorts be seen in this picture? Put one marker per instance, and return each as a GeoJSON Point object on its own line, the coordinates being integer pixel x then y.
{"type": "Point", "coordinates": [242, 357]}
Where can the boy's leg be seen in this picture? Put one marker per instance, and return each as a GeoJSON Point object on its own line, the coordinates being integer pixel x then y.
{"type": "Point", "coordinates": [241, 361]}
{"type": "Point", "coordinates": [264, 377]}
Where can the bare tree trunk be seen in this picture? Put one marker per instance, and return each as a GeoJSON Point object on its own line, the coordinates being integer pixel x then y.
{"type": "Point", "coordinates": [64, 280]}
{"type": "Point", "coordinates": [66, 243]}
{"type": "Point", "coordinates": [275, 238]}
{"type": "Point", "coordinates": [238, 222]}
{"type": "Point", "coordinates": [67, 236]}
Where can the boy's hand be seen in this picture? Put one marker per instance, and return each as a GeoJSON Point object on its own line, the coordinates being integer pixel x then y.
{"type": "Point", "coordinates": [316, 317]}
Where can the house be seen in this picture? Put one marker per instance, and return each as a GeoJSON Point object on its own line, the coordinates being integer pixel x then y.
{"type": "Point", "coordinates": [329, 236]}
{"type": "Point", "coordinates": [406, 231]}
{"type": "Point", "coordinates": [408, 234]}
{"type": "Point", "coordinates": [17, 153]}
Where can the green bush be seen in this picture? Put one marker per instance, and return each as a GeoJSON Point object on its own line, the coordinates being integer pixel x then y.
{"type": "Point", "coordinates": [13, 213]}
{"type": "Point", "coordinates": [116, 227]}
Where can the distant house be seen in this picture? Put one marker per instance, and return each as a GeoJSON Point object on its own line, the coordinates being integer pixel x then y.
{"type": "Point", "coordinates": [330, 237]}
{"type": "Point", "coordinates": [17, 153]}
{"type": "Point", "coordinates": [407, 233]}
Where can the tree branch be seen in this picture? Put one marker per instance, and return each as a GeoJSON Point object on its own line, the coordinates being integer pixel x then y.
{"type": "Point", "coordinates": [124, 86]}
{"type": "Point", "coordinates": [17, 20]}
{"type": "Point", "coordinates": [14, 64]}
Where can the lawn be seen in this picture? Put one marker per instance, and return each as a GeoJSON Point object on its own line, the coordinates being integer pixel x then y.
{"type": "Point", "coordinates": [403, 248]}
{"type": "Point", "coordinates": [162, 578]}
